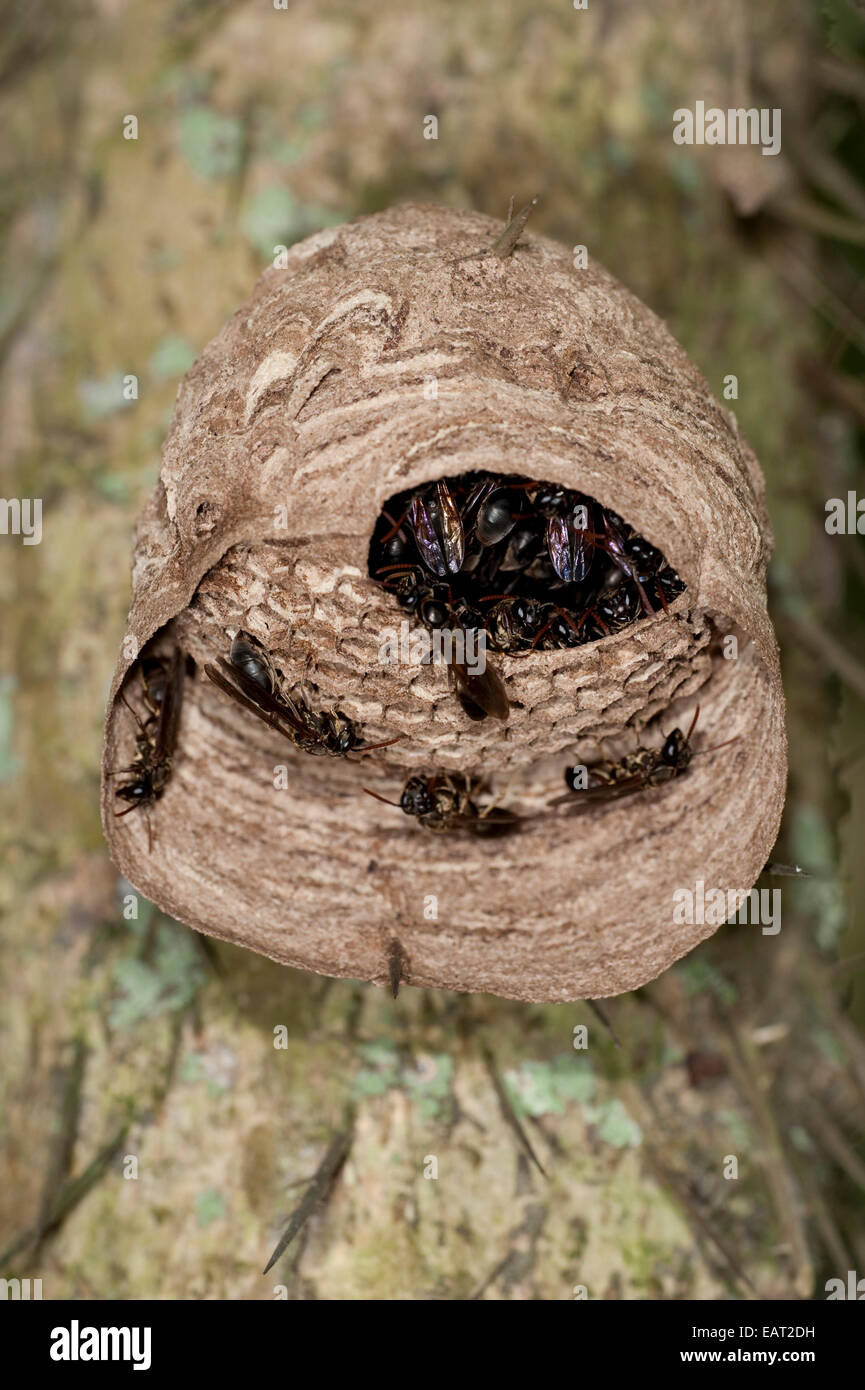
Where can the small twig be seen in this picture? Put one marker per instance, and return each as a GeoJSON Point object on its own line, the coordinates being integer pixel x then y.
{"type": "Point", "coordinates": [746, 1070]}
{"type": "Point", "coordinates": [63, 1148]}
{"type": "Point", "coordinates": [504, 245]}
{"type": "Point", "coordinates": [835, 226]}
{"type": "Point", "coordinates": [318, 1190]}
{"type": "Point", "coordinates": [822, 644]}
{"type": "Point", "coordinates": [840, 75]}
{"type": "Point", "coordinates": [396, 963]}
{"type": "Point", "coordinates": [804, 281]}
{"type": "Point", "coordinates": [704, 1228]}
{"type": "Point", "coordinates": [599, 1012]}
{"type": "Point", "coordinates": [518, 1263]}
{"type": "Point", "coordinates": [508, 1113]}
{"type": "Point", "coordinates": [67, 1199]}
{"type": "Point", "coordinates": [843, 390]}
{"type": "Point", "coordinates": [845, 1030]}
{"type": "Point", "coordinates": [825, 1223]}
{"type": "Point", "coordinates": [677, 1188]}
{"type": "Point", "coordinates": [835, 1142]}
{"type": "Point", "coordinates": [211, 958]}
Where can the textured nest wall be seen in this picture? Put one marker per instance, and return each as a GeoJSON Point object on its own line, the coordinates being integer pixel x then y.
{"type": "Point", "coordinates": [325, 621]}
{"type": "Point", "coordinates": [310, 410]}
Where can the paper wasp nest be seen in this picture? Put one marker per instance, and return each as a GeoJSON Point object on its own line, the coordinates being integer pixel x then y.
{"type": "Point", "coordinates": [388, 353]}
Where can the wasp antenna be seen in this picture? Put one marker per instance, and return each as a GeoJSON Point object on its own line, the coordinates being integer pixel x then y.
{"type": "Point", "coordinates": [378, 797]}
{"type": "Point", "coordinates": [368, 747]}
{"type": "Point", "coordinates": [134, 712]}
{"type": "Point", "coordinates": [726, 744]}
{"type": "Point", "coordinates": [693, 723]}
{"type": "Point", "coordinates": [395, 526]}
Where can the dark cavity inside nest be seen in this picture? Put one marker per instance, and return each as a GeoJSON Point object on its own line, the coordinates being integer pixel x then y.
{"type": "Point", "coordinates": [533, 564]}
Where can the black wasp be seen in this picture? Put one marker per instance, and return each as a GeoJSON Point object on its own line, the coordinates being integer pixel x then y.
{"type": "Point", "coordinates": [250, 678]}
{"type": "Point", "coordinates": [156, 740]}
{"type": "Point", "coordinates": [440, 527]}
{"type": "Point", "coordinates": [519, 624]}
{"type": "Point", "coordinates": [481, 692]}
{"type": "Point", "coordinates": [637, 771]}
{"type": "Point", "coordinates": [441, 804]}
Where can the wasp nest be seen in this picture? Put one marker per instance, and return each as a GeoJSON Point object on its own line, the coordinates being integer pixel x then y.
{"type": "Point", "coordinates": [384, 356]}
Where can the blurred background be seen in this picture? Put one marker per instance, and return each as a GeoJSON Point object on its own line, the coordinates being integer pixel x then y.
{"type": "Point", "coordinates": [132, 1038]}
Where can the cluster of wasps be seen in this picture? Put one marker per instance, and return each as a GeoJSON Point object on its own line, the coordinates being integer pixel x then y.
{"type": "Point", "coordinates": [528, 565]}
{"type": "Point", "coordinates": [532, 565]}
{"type": "Point", "coordinates": [443, 803]}
{"type": "Point", "coordinates": [250, 678]}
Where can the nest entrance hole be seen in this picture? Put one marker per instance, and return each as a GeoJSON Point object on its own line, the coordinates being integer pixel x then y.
{"type": "Point", "coordinates": [533, 564]}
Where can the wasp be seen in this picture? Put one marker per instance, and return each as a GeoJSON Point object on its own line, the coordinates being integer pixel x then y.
{"type": "Point", "coordinates": [481, 692]}
{"type": "Point", "coordinates": [513, 622]}
{"type": "Point", "coordinates": [441, 804]}
{"type": "Point", "coordinates": [569, 529]}
{"type": "Point", "coordinates": [156, 740]}
{"type": "Point", "coordinates": [524, 546]}
{"type": "Point", "coordinates": [614, 542]}
{"type": "Point", "coordinates": [250, 678]}
{"type": "Point", "coordinates": [519, 625]}
{"type": "Point", "coordinates": [635, 772]}
{"type": "Point", "coordinates": [478, 686]}
{"type": "Point", "coordinates": [492, 507]}
{"type": "Point", "coordinates": [617, 606]}
{"type": "Point", "coordinates": [549, 499]}
{"type": "Point", "coordinates": [431, 603]}
{"type": "Point", "coordinates": [653, 570]}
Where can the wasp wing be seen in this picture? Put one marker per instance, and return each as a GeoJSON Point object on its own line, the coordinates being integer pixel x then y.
{"type": "Point", "coordinates": [475, 500]}
{"type": "Point", "coordinates": [451, 526]}
{"type": "Point", "coordinates": [438, 530]}
{"type": "Point", "coordinates": [165, 739]}
{"type": "Point", "coordinates": [559, 546]}
{"type": "Point", "coordinates": [485, 692]}
{"type": "Point", "coordinates": [469, 707]}
{"type": "Point", "coordinates": [571, 548]}
{"type": "Point", "coordinates": [608, 791]}
{"type": "Point", "coordinates": [583, 544]}
{"type": "Point", "coordinates": [427, 540]}
{"type": "Point", "coordinates": [274, 712]}
{"type": "Point", "coordinates": [498, 821]}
